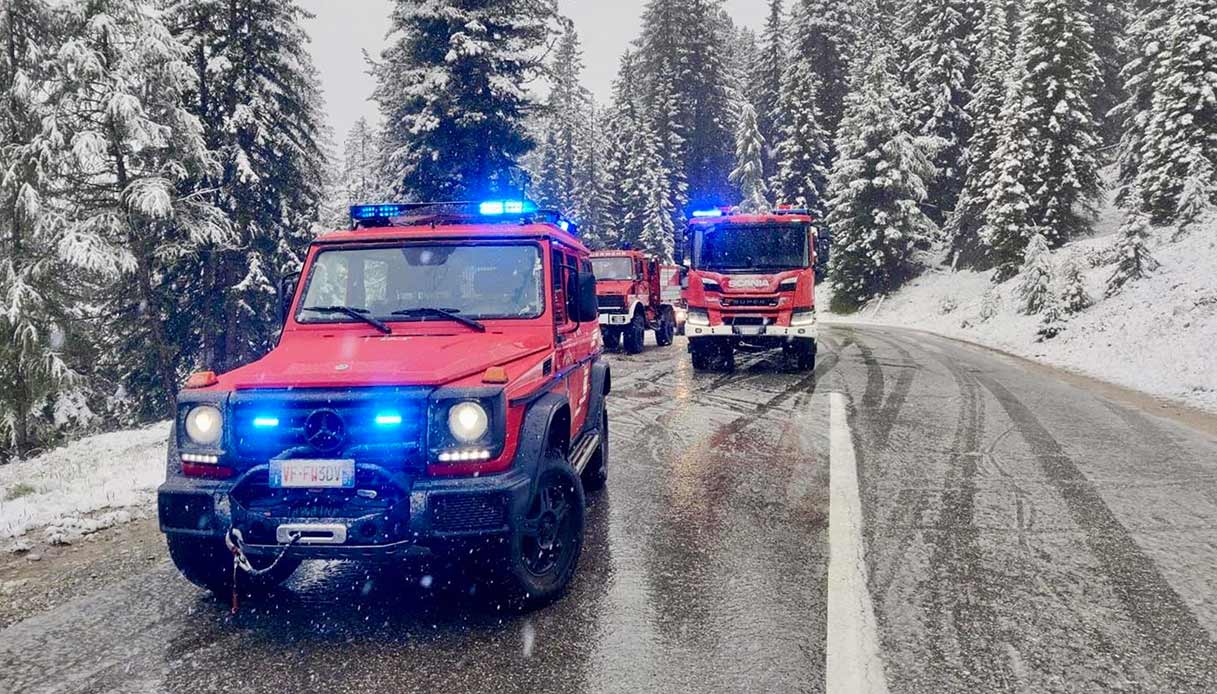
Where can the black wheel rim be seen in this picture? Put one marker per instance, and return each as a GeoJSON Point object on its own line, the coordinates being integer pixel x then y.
{"type": "Point", "coordinates": [547, 530]}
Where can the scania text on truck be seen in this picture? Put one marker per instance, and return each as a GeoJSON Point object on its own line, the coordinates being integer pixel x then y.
{"type": "Point", "coordinates": [633, 298]}
{"type": "Point", "coordinates": [438, 391]}
{"type": "Point", "coordinates": [750, 280]}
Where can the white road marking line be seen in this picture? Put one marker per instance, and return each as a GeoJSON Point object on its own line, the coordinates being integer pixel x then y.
{"type": "Point", "coordinates": [853, 661]}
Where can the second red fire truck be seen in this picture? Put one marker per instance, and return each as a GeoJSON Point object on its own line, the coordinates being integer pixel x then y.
{"type": "Point", "coordinates": [635, 294]}
{"type": "Point", "coordinates": [750, 280]}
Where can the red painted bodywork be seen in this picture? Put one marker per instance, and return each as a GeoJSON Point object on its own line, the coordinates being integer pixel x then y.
{"type": "Point", "coordinates": [438, 353]}
{"type": "Point", "coordinates": [647, 285]}
{"type": "Point", "coordinates": [754, 285]}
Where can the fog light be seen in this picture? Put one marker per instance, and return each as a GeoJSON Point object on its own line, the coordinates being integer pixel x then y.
{"type": "Point", "coordinates": [200, 458]}
{"type": "Point", "coordinates": [467, 455]}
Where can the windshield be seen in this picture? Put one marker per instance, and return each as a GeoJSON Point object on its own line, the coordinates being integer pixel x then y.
{"type": "Point", "coordinates": [620, 268]}
{"type": "Point", "coordinates": [740, 247]}
{"type": "Point", "coordinates": [483, 281]}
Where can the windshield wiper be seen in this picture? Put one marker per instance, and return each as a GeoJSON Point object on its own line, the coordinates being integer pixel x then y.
{"type": "Point", "coordinates": [357, 313]}
{"type": "Point", "coordinates": [445, 313]}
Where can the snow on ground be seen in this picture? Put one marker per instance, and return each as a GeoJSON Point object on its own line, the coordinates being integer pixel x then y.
{"type": "Point", "coordinates": [1159, 335]}
{"type": "Point", "coordinates": [84, 486]}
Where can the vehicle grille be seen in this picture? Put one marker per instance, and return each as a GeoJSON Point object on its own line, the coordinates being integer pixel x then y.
{"type": "Point", "coordinates": [458, 512]}
{"type": "Point", "coordinates": [611, 304]}
{"type": "Point", "coordinates": [752, 301]}
{"type": "Point", "coordinates": [355, 412]}
{"type": "Point", "coordinates": [746, 320]}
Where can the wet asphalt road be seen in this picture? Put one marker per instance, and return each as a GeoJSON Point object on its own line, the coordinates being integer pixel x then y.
{"type": "Point", "coordinates": [1022, 533]}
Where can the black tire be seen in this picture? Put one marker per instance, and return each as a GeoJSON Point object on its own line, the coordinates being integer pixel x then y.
{"type": "Point", "coordinates": [612, 339]}
{"type": "Point", "coordinates": [666, 329]}
{"type": "Point", "coordinates": [635, 334]}
{"type": "Point", "coordinates": [207, 563]}
{"type": "Point", "coordinates": [595, 475]}
{"type": "Point", "coordinates": [545, 544]}
{"type": "Point", "coordinates": [701, 357]}
{"type": "Point", "coordinates": [805, 355]}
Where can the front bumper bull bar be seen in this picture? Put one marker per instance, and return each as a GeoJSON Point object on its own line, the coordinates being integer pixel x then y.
{"type": "Point", "coordinates": [797, 332]}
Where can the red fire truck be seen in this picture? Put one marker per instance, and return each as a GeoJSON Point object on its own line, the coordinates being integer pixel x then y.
{"type": "Point", "coordinates": [635, 294]}
{"type": "Point", "coordinates": [750, 280]}
{"type": "Point", "coordinates": [438, 389]}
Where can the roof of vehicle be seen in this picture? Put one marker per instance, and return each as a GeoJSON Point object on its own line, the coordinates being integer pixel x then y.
{"type": "Point", "coordinates": [451, 232]}
{"type": "Point", "coordinates": [771, 218]}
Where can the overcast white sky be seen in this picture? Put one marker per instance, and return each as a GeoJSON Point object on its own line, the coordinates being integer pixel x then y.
{"type": "Point", "coordinates": [344, 28]}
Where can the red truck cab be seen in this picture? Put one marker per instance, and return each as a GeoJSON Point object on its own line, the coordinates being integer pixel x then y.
{"type": "Point", "coordinates": [438, 389]}
{"type": "Point", "coordinates": [633, 298]}
{"type": "Point", "coordinates": [750, 279]}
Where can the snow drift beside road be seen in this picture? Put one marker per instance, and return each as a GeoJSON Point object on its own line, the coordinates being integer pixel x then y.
{"type": "Point", "coordinates": [1158, 335]}
{"type": "Point", "coordinates": [108, 472]}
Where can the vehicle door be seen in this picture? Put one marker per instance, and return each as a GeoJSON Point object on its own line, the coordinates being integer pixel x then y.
{"type": "Point", "coordinates": [573, 342]}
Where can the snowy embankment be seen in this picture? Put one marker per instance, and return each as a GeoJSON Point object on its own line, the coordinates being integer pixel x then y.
{"type": "Point", "coordinates": [84, 486]}
{"type": "Point", "coordinates": [1158, 335]}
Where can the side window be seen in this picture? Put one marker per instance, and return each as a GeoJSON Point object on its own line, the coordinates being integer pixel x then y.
{"type": "Point", "coordinates": [572, 284]}
{"type": "Point", "coordinates": [561, 312]}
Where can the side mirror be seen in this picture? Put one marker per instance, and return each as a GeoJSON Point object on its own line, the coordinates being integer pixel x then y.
{"type": "Point", "coordinates": [287, 292]}
{"type": "Point", "coordinates": [823, 251]}
{"type": "Point", "coordinates": [586, 308]}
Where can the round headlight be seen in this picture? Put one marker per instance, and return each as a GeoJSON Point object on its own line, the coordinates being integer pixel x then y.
{"type": "Point", "coordinates": [468, 422]}
{"type": "Point", "coordinates": [204, 424]}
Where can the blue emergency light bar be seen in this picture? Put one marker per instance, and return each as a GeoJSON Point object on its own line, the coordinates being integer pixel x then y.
{"type": "Point", "coordinates": [702, 214]}
{"type": "Point", "coordinates": [382, 211]}
{"type": "Point", "coordinates": [494, 208]}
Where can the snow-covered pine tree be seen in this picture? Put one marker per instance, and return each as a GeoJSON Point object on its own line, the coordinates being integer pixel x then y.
{"type": "Point", "coordinates": [621, 214]}
{"type": "Point", "coordinates": [1046, 168]}
{"type": "Point", "coordinates": [1052, 318]}
{"type": "Point", "coordinates": [452, 89]}
{"type": "Point", "coordinates": [877, 186]}
{"type": "Point", "coordinates": [259, 100]}
{"type": "Point", "coordinates": [766, 82]}
{"type": "Point", "coordinates": [121, 83]}
{"type": "Point", "coordinates": [590, 193]}
{"type": "Point", "coordinates": [1073, 295]}
{"type": "Point", "coordinates": [1110, 19]}
{"type": "Point", "coordinates": [566, 122]}
{"type": "Point", "coordinates": [357, 176]}
{"type": "Point", "coordinates": [803, 149]}
{"type": "Point", "coordinates": [687, 87]}
{"type": "Point", "coordinates": [1035, 276]}
{"type": "Point", "coordinates": [942, 70]}
{"type": "Point", "coordinates": [1134, 259]}
{"type": "Point", "coordinates": [1179, 150]}
{"type": "Point", "coordinates": [993, 56]}
{"type": "Point", "coordinates": [824, 38]}
{"type": "Point", "coordinates": [33, 296]}
{"type": "Point", "coordinates": [658, 223]}
{"type": "Point", "coordinates": [749, 175]}
{"type": "Point", "coordinates": [1146, 37]}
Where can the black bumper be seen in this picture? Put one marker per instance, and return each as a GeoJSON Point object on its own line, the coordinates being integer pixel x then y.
{"type": "Point", "coordinates": [409, 516]}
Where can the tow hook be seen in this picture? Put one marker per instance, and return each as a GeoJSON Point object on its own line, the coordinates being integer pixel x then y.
{"type": "Point", "coordinates": [236, 544]}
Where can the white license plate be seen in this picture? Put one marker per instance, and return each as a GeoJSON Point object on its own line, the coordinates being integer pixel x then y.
{"type": "Point", "coordinates": [312, 474]}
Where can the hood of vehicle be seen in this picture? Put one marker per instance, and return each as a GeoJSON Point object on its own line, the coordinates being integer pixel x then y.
{"type": "Point", "coordinates": [751, 283]}
{"type": "Point", "coordinates": [348, 359]}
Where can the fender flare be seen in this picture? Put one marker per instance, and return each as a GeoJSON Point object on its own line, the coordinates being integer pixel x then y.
{"type": "Point", "coordinates": [535, 431]}
{"type": "Point", "coordinates": [601, 385]}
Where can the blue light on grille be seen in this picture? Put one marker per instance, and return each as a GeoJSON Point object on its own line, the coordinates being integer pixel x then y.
{"type": "Point", "coordinates": [266, 422]}
{"type": "Point", "coordinates": [388, 419]}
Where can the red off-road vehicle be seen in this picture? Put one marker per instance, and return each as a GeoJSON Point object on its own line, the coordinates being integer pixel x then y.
{"type": "Point", "coordinates": [632, 298]}
{"type": "Point", "coordinates": [750, 280]}
{"type": "Point", "coordinates": [438, 391]}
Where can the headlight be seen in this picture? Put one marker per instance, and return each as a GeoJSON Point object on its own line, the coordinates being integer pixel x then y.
{"type": "Point", "coordinates": [710, 285]}
{"type": "Point", "coordinates": [789, 284]}
{"type": "Point", "coordinates": [803, 317]}
{"type": "Point", "coordinates": [697, 317]}
{"type": "Point", "coordinates": [468, 422]}
{"type": "Point", "coordinates": [204, 425]}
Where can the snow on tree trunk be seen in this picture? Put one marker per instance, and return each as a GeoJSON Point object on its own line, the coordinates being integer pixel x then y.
{"type": "Point", "coordinates": [878, 184]}
{"type": "Point", "coordinates": [749, 175]}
